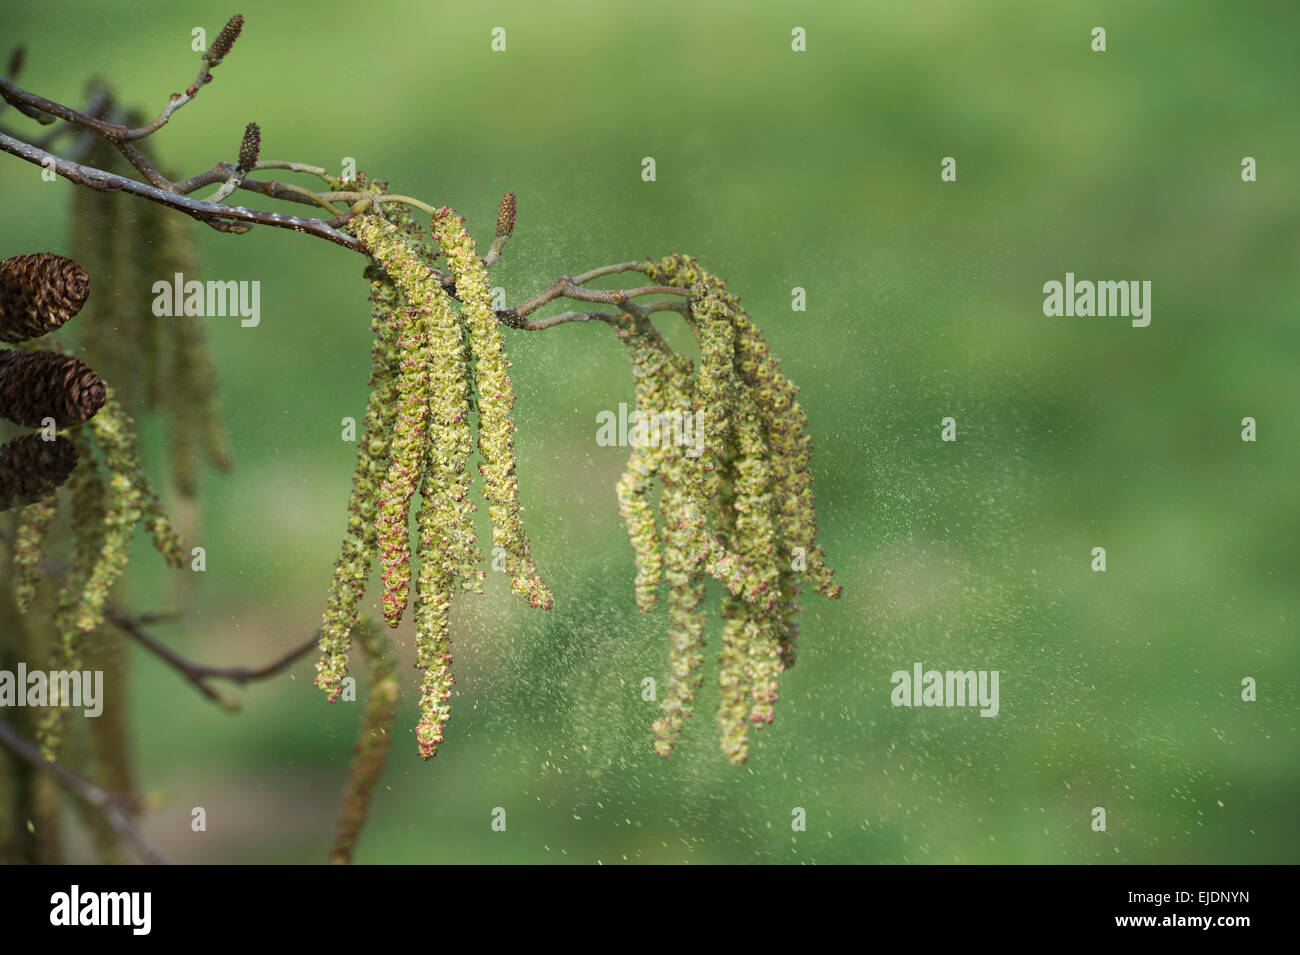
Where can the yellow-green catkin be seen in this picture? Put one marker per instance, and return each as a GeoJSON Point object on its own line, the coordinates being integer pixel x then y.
{"type": "Point", "coordinates": [448, 550]}
{"type": "Point", "coordinates": [756, 484]}
{"type": "Point", "coordinates": [352, 569]}
{"type": "Point", "coordinates": [433, 389]}
{"type": "Point", "coordinates": [685, 626]}
{"type": "Point", "coordinates": [496, 399]}
{"type": "Point", "coordinates": [786, 424]}
{"type": "Point", "coordinates": [87, 494]}
{"type": "Point", "coordinates": [784, 420]}
{"type": "Point", "coordinates": [754, 535]}
{"type": "Point", "coordinates": [433, 659]}
{"type": "Point", "coordinates": [687, 549]}
{"type": "Point", "coordinates": [673, 389]}
{"type": "Point", "coordinates": [447, 557]}
{"type": "Point", "coordinates": [634, 507]}
{"type": "Point", "coordinates": [734, 675]}
{"type": "Point", "coordinates": [406, 460]}
{"type": "Point", "coordinates": [664, 389]}
{"type": "Point", "coordinates": [649, 362]}
{"type": "Point", "coordinates": [717, 385]}
{"type": "Point", "coordinates": [129, 501]}
{"type": "Point", "coordinates": [34, 523]}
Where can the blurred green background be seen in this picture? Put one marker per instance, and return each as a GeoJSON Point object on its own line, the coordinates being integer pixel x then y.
{"type": "Point", "coordinates": [777, 169]}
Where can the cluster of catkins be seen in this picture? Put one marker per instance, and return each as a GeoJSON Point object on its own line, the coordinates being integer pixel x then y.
{"type": "Point", "coordinates": [87, 442]}
{"type": "Point", "coordinates": [434, 364]}
{"type": "Point", "coordinates": [741, 511]}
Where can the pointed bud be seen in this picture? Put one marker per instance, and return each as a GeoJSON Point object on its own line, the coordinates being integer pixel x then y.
{"type": "Point", "coordinates": [32, 469]}
{"type": "Point", "coordinates": [38, 293]}
{"type": "Point", "coordinates": [250, 147]}
{"type": "Point", "coordinates": [16, 60]}
{"type": "Point", "coordinates": [506, 215]}
{"type": "Point", "coordinates": [41, 384]}
{"type": "Point", "coordinates": [224, 41]}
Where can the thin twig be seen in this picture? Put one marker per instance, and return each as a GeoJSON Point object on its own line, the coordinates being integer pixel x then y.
{"type": "Point", "coordinates": [199, 673]}
{"type": "Point", "coordinates": [568, 287]}
{"type": "Point", "coordinates": [227, 218]}
{"type": "Point", "coordinates": [213, 214]}
{"type": "Point", "coordinates": [196, 673]}
{"type": "Point", "coordinates": [107, 804]}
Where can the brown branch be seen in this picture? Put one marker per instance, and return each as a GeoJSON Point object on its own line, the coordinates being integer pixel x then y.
{"type": "Point", "coordinates": [238, 219]}
{"type": "Point", "coordinates": [199, 673]}
{"type": "Point", "coordinates": [109, 805]}
{"type": "Point", "coordinates": [572, 287]}
{"type": "Point", "coordinates": [537, 325]}
{"type": "Point", "coordinates": [132, 625]}
{"type": "Point", "coordinates": [46, 111]}
{"type": "Point", "coordinates": [214, 214]}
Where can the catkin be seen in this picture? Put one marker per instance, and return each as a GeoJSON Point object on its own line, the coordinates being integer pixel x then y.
{"type": "Point", "coordinates": [34, 525]}
{"type": "Point", "coordinates": [742, 511]}
{"type": "Point", "coordinates": [496, 398]}
{"type": "Point", "coordinates": [352, 569]}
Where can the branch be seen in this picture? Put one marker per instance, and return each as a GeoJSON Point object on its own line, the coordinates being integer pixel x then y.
{"type": "Point", "coordinates": [196, 673]}
{"type": "Point", "coordinates": [215, 213]}
{"type": "Point", "coordinates": [108, 805]}
{"type": "Point", "coordinates": [208, 212]}
{"type": "Point", "coordinates": [199, 673]}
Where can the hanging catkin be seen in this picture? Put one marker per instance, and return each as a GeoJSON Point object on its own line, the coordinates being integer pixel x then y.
{"type": "Point", "coordinates": [734, 502]}
{"type": "Point", "coordinates": [430, 398]}
{"type": "Point", "coordinates": [496, 398]}
{"type": "Point", "coordinates": [34, 525]}
{"type": "Point", "coordinates": [740, 511]}
{"type": "Point", "coordinates": [352, 569]}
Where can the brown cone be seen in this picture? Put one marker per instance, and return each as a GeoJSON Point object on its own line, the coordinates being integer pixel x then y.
{"type": "Point", "coordinates": [32, 468]}
{"type": "Point", "coordinates": [38, 293]}
{"type": "Point", "coordinates": [41, 384]}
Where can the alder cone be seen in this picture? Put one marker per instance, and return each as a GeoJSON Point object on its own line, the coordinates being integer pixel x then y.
{"type": "Point", "coordinates": [41, 384]}
{"type": "Point", "coordinates": [32, 468]}
{"type": "Point", "coordinates": [38, 293]}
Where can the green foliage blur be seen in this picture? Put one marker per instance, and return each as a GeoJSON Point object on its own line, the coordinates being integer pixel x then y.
{"type": "Point", "coordinates": [777, 169]}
